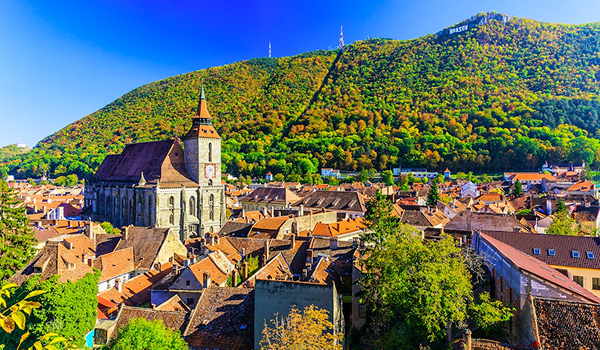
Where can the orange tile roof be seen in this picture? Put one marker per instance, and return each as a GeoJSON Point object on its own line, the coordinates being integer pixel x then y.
{"type": "Point", "coordinates": [582, 186]}
{"type": "Point", "coordinates": [115, 264]}
{"type": "Point", "coordinates": [217, 276]}
{"type": "Point", "coordinates": [339, 228]}
{"type": "Point", "coordinates": [532, 177]}
{"type": "Point", "coordinates": [136, 291]}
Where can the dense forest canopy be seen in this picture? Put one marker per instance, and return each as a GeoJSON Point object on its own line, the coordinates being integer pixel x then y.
{"type": "Point", "coordinates": [502, 94]}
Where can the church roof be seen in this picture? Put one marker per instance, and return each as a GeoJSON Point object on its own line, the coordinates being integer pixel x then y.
{"type": "Point", "coordinates": [159, 161]}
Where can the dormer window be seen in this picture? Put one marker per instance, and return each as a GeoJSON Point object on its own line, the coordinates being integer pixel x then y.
{"type": "Point", "coordinates": [551, 252]}
{"type": "Point", "coordinates": [575, 254]}
{"type": "Point", "coordinates": [536, 251]}
{"type": "Point", "coordinates": [590, 255]}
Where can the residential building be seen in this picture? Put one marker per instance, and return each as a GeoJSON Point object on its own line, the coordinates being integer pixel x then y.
{"type": "Point", "coordinates": [576, 257]}
{"type": "Point", "coordinates": [269, 197]}
{"type": "Point", "coordinates": [350, 203]}
{"type": "Point", "coordinates": [516, 275]}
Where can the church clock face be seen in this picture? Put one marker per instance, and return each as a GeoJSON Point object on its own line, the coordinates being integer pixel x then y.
{"type": "Point", "coordinates": [209, 171]}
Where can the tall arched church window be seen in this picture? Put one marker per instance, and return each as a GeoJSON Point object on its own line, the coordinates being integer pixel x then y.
{"type": "Point", "coordinates": [172, 219]}
{"type": "Point", "coordinates": [210, 151]}
{"type": "Point", "coordinates": [211, 203]}
{"type": "Point", "coordinates": [193, 206]}
{"type": "Point", "coordinates": [171, 201]}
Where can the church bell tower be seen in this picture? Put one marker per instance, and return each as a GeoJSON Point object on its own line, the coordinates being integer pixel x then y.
{"type": "Point", "coordinates": [202, 147]}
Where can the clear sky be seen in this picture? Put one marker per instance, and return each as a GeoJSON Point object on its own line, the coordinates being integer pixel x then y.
{"type": "Point", "coordinates": [61, 60]}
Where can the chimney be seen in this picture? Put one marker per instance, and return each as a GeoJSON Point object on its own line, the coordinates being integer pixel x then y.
{"type": "Point", "coordinates": [202, 246]}
{"type": "Point", "coordinates": [243, 253]}
{"type": "Point", "coordinates": [267, 250]}
{"type": "Point", "coordinates": [272, 212]}
{"type": "Point", "coordinates": [264, 211]}
{"type": "Point", "coordinates": [212, 240]}
{"type": "Point", "coordinates": [68, 245]}
{"type": "Point", "coordinates": [234, 278]}
{"type": "Point", "coordinates": [293, 244]}
{"type": "Point", "coordinates": [467, 339]}
{"type": "Point", "coordinates": [126, 232]}
{"type": "Point", "coordinates": [216, 237]}
{"type": "Point", "coordinates": [333, 243]}
{"type": "Point", "coordinates": [245, 270]}
{"type": "Point", "coordinates": [295, 229]}
{"type": "Point", "coordinates": [119, 285]}
{"type": "Point", "coordinates": [247, 220]}
{"type": "Point", "coordinates": [90, 261]}
{"type": "Point", "coordinates": [309, 255]}
{"type": "Point", "coordinates": [69, 223]}
{"type": "Point", "coordinates": [206, 279]}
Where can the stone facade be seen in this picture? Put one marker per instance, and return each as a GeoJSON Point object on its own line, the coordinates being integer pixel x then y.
{"type": "Point", "coordinates": [159, 184]}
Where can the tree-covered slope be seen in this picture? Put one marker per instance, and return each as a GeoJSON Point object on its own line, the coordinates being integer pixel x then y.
{"type": "Point", "coordinates": [498, 94]}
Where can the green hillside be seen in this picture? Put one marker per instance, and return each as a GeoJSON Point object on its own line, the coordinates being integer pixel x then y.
{"type": "Point", "coordinates": [501, 94]}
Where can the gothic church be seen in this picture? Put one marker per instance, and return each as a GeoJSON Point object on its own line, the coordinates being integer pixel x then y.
{"type": "Point", "coordinates": [162, 184]}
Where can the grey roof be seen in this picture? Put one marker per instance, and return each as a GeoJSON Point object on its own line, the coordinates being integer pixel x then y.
{"type": "Point", "coordinates": [334, 200]}
{"type": "Point", "coordinates": [146, 243]}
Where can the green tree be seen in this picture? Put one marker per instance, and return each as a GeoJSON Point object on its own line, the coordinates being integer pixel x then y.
{"type": "Point", "coordinates": [560, 206]}
{"type": "Point", "coordinates": [17, 243]}
{"type": "Point", "coordinates": [67, 309]}
{"type": "Point", "coordinates": [517, 189]}
{"type": "Point", "coordinates": [562, 224]}
{"type": "Point", "coordinates": [433, 196]}
{"type": "Point", "coordinates": [13, 316]}
{"type": "Point", "coordinates": [279, 177]}
{"type": "Point", "coordinates": [363, 175]}
{"type": "Point", "coordinates": [491, 316]}
{"type": "Point", "coordinates": [333, 181]}
{"type": "Point", "coordinates": [414, 290]}
{"type": "Point", "coordinates": [388, 177]}
{"type": "Point", "coordinates": [309, 330]}
{"type": "Point", "coordinates": [60, 181]}
{"type": "Point", "coordinates": [109, 228]}
{"type": "Point", "coordinates": [140, 333]}
{"type": "Point", "coordinates": [378, 220]}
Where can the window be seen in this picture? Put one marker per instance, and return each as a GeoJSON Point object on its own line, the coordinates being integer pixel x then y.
{"type": "Point", "coordinates": [210, 152]}
{"type": "Point", "coordinates": [193, 206]}
{"type": "Point", "coordinates": [190, 301]}
{"type": "Point", "coordinates": [578, 280]}
{"type": "Point", "coordinates": [536, 251]}
{"type": "Point", "coordinates": [575, 254]}
{"type": "Point", "coordinates": [172, 219]}
{"type": "Point", "coordinates": [551, 252]}
{"type": "Point", "coordinates": [187, 283]}
{"type": "Point", "coordinates": [596, 283]}
{"type": "Point", "coordinates": [590, 255]}
{"type": "Point", "coordinates": [171, 201]}
{"type": "Point", "coordinates": [210, 182]}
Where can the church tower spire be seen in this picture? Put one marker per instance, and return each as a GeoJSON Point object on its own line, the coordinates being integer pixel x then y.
{"type": "Point", "coordinates": [202, 146]}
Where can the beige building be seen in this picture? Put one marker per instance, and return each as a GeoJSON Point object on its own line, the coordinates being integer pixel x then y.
{"type": "Point", "coordinates": [159, 184]}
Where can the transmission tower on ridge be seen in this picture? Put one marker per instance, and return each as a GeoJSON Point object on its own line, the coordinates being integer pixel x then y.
{"type": "Point", "coordinates": [269, 48]}
{"type": "Point", "coordinates": [342, 37]}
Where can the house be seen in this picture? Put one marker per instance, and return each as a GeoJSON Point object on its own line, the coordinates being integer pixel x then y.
{"type": "Point", "coordinates": [559, 168]}
{"type": "Point", "coordinates": [469, 189]}
{"type": "Point", "coordinates": [516, 275]}
{"type": "Point", "coordinates": [582, 187]}
{"type": "Point", "coordinates": [279, 226]}
{"type": "Point", "coordinates": [137, 291]}
{"type": "Point", "coordinates": [274, 298]}
{"type": "Point", "coordinates": [423, 218]}
{"type": "Point", "coordinates": [151, 246]}
{"type": "Point", "coordinates": [116, 268]}
{"type": "Point", "coordinates": [345, 230]}
{"type": "Point", "coordinates": [576, 257]}
{"type": "Point", "coordinates": [56, 258]}
{"type": "Point", "coordinates": [269, 176]}
{"type": "Point", "coordinates": [328, 172]}
{"type": "Point", "coordinates": [447, 174]}
{"type": "Point", "coordinates": [471, 221]}
{"type": "Point", "coordinates": [211, 270]}
{"type": "Point", "coordinates": [350, 203]}
{"type": "Point", "coordinates": [269, 197]}
{"type": "Point", "coordinates": [528, 179]}
{"type": "Point", "coordinates": [223, 319]}
{"type": "Point", "coordinates": [587, 216]}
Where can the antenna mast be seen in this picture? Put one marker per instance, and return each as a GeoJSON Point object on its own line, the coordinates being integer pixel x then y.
{"type": "Point", "coordinates": [342, 38]}
{"type": "Point", "coordinates": [269, 48]}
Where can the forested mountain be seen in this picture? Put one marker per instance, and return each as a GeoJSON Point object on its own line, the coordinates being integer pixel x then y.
{"type": "Point", "coordinates": [489, 94]}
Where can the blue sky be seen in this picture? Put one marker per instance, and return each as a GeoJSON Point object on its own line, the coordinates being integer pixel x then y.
{"type": "Point", "coordinates": [62, 60]}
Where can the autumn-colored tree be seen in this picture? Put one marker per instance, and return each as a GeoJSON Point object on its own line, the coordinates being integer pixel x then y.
{"type": "Point", "coordinates": [306, 330]}
{"type": "Point", "coordinates": [14, 316]}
